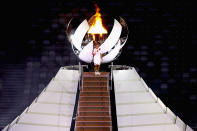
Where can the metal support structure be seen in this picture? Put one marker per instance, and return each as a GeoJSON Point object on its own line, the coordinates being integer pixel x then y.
{"type": "Point", "coordinates": [111, 75]}
{"type": "Point", "coordinates": [81, 68]}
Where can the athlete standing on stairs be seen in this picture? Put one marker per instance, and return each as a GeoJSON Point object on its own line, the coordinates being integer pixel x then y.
{"type": "Point", "coordinates": [97, 58]}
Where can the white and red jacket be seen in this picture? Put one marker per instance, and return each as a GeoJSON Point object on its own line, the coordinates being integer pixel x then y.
{"type": "Point", "coordinates": [97, 56]}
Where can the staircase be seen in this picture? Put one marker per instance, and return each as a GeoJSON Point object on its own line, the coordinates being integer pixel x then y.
{"type": "Point", "coordinates": [94, 112]}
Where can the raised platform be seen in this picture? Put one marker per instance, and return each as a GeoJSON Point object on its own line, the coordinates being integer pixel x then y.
{"type": "Point", "coordinates": [137, 107]}
{"type": "Point", "coordinates": [94, 103]}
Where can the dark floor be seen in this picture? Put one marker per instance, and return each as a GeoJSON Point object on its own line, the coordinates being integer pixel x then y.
{"type": "Point", "coordinates": [162, 46]}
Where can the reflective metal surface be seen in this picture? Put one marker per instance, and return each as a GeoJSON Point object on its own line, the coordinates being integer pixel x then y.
{"type": "Point", "coordinates": [79, 38]}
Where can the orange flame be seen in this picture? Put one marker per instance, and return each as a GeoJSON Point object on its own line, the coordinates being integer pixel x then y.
{"type": "Point", "coordinates": [96, 26]}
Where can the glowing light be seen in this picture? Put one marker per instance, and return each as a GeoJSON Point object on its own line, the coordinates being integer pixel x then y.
{"type": "Point", "coordinates": [96, 26]}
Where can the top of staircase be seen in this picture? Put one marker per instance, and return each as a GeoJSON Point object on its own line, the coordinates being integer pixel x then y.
{"type": "Point", "coordinates": [92, 74]}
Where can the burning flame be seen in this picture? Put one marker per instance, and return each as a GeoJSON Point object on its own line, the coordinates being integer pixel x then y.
{"type": "Point", "coordinates": [96, 26]}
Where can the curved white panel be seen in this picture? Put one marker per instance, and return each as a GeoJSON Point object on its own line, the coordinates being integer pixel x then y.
{"type": "Point", "coordinates": [79, 34]}
{"type": "Point", "coordinates": [86, 53]}
{"type": "Point", "coordinates": [112, 54]}
{"type": "Point", "coordinates": [112, 38]}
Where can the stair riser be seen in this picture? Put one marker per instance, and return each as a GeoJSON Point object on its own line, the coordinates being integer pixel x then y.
{"type": "Point", "coordinates": [94, 94]}
{"type": "Point", "coordinates": [94, 98]}
{"type": "Point", "coordinates": [94, 89]}
{"type": "Point", "coordinates": [95, 84]}
{"type": "Point", "coordinates": [85, 123]}
{"type": "Point", "coordinates": [94, 104]}
{"type": "Point", "coordinates": [93, 108]}
{"type": "Point", "coordinates": [94, 79]}
{"type": "Point", "coordinates": [93, 129]}
{"type": "Point", "coordinates": [93, 119]}
{"type": "Point", "coordinates": [93, 113]}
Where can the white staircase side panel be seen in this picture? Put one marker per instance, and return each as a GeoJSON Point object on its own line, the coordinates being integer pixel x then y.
{"type": "Point", "coordinates": [26, 127]}
{"type": "Point", "coordinates": [161, 104]}
{"type": "Point", "coordinates": [125, 75]}
{"type": "Point", "coordinates": [136, 73]}
{"type": "Point", "coordinates": [45, 120]}
{"type": "Point", "coordinates": [143, 82]}
{"type": "Point", "coordinates": [15, 120]}
{"type": "Point", "coordinates": [57, 98]}
{"type": "Point", "coordinates": [170, 114]}
{"type": "Point", "coordinates": [129, 86]}
{"type": "Point", "coordinates": [170, 127]}
{"type": "Point", "coordinates": [69, 75]}
{"type": "Point", "coordinates": [134, 98]}
{"type": "Point", "coordinates": [153, 94]}
{"type": "Point", "coordinates": [180, 124]}
{"type": "Point", "coordinates": [143, 120]}
{"type": "Point", "coordinates": [5, 128]}
{"type": "Point", "coordinates": [189, 128]}
{"type": "Point", "coordinates": [62, 86]}
{"type": "Point", "coordinates": [138, 109]}
{"type": "Point", "coordinates": [51, 109]}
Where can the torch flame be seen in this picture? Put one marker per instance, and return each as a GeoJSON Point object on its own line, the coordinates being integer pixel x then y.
{"type": "Point", "coordinates": [96, 26]}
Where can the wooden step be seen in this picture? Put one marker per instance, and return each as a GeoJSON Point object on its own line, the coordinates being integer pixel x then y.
{"type": "Point", "coordinates": [93, 128]}
{"type": "Point", "coordinates": [98, 83]}
{"type": "Point", "coordinates": [95, 86]}
{"type": "Point", "coordinates": [89, 103]}
{"type": "Point", "coordinates": [93, 118]}
{"type": "Point", "coordinates": [95, 79]}
{"type": "Point", "coordinates": [93, 123]}
{"type": "Point", "coordinates": [99, 109]}
{"type": "Point", "coordinates": [85, 113]}
{"type": "Point", "coordinates": [94, 98]}
{"type": "Point", "coordinates": [101, 93]}
{"type": "Point", "coordinates": [94, 89]}
{"type": "Point", "coordinates": [94, 104]}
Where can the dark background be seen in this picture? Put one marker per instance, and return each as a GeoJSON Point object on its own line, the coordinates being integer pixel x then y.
{"type": "Point", "coordinates": [162, 46]}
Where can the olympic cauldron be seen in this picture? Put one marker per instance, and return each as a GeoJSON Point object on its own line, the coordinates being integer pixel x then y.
{"type": "Point", "coordinates": [83, 33]}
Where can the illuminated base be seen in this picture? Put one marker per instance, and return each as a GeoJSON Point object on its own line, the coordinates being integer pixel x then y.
{"type": "Point", "coordinates": [137, 107]}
